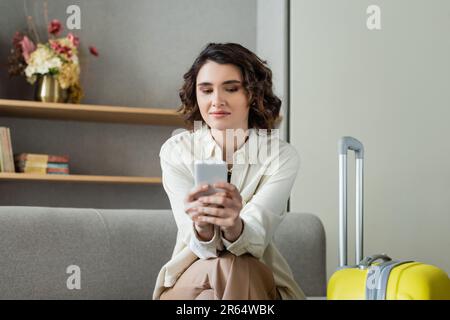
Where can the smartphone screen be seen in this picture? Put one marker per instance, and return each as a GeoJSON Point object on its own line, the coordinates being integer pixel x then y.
{"type": "Point", "coordinates": [210, 172]}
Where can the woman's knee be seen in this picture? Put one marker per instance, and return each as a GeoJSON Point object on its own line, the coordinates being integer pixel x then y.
{"type": "Point", "coordinates": [228, 259]}
{"type": "Point", "coordinates": [227, 255]}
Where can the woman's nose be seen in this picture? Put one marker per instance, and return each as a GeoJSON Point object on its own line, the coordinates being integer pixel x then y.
{"type": "Point", "coordinates": [217, 99]}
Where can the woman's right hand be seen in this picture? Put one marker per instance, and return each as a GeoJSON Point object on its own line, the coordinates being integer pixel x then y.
{"type": "Point", "coordinates": [205, 230]}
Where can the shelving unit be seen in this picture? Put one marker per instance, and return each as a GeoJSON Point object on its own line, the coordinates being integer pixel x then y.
{"type": "Point", "coordinates": [91, 113]}
{"type": "Point", "coordinates": [6, 176]}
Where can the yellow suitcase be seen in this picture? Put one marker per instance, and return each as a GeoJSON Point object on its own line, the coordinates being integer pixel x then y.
{"type": "Point", "coordinates": [377, 277]}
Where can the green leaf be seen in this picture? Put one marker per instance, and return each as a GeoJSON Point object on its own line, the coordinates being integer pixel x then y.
{"type": "Point", "coordinates": [53, 71]}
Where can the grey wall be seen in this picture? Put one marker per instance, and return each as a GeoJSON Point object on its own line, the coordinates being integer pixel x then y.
{"type": "Point", "coordinates": [145, 48]}
{"type": "Point", "coordinates": [272, 45]}
{"type": "Point", "coordinates": [388, 88]}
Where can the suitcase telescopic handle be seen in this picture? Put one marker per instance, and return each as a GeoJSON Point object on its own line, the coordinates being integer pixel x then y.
{"type": "Point", "coordinates": [345, 144]}
{"type": "Point", "coordinates": [368, 261]}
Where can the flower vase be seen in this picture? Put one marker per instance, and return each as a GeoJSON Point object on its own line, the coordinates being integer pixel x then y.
{"type": "Point", "coordinates": [48, 89]}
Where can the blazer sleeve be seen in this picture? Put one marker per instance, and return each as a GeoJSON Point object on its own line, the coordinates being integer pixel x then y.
{"type": "Point", "coordinates": [177, 182]}
{"type": "Point", "coordinates": [267, 208]}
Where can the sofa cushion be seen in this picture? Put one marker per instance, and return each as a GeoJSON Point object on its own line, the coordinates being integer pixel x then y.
{"type": "Point", "coordinates": [119, 252]}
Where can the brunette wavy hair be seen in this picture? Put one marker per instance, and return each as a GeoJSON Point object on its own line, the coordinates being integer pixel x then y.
{"type": "Point", "coordinates": [257, 81]}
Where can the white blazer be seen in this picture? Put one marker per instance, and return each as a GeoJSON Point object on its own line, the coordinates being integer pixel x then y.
{"type": "Point", "coordinates": [264, 180]}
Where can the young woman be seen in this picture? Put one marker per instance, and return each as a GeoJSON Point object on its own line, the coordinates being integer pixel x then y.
{"type": "Point", "coordinates": [224, 247]}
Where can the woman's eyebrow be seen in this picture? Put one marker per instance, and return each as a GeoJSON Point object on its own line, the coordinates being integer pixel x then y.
{"type": "Point", "coordinates": [225, 82]}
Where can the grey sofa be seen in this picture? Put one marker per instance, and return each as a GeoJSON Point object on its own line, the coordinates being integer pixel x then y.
{"type": "Point", "coordinates": [119, 252]}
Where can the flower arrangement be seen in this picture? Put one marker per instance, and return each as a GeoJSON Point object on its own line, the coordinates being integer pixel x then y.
{"type": "Point", "coordinates": [57, 57]}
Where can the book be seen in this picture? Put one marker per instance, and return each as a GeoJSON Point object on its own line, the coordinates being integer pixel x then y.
{"type": "Point", "coordinates": [22, 163]}
{"type": "Point", "coordinates": [9, 152]}
{"type": "Point", "coordinates": [3, 148]}
{"type": "Point", "coordinates": [6, 158]}
{"type": "Point", "coordinates": [32, 170]}
{"type": "Point", "coordinates": [43, 158]}
{"type": "Point", "coordinates": [57, 170]}
{"type": "Point", "coordinates": [43, 170]}
{"type": "Point", "coordinates": [58, 165]}
{"type": "Point", "coordinates": [1, 157]}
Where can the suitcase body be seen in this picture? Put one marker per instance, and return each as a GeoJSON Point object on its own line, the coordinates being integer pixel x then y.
{"type": "Point", "coordinates": [377, 277]}
{"type": "Point", "coordinates": [408, 281]}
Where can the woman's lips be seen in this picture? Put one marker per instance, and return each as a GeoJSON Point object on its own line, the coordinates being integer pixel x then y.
{"type": "Point", "coordinates": [219, 114]}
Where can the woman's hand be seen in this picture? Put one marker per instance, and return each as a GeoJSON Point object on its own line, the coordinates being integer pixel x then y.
{"type": "Point", "coordinates": [222, 209]}
{"type": "Point", "coordinates": [205, 230]}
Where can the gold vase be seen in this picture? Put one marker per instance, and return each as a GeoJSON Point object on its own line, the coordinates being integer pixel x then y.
{"type": "Point", "coordinates": [48, 90]}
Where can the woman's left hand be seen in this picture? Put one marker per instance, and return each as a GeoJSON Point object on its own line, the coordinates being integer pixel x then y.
{"type": "Point", "coordinates": [225, 214]}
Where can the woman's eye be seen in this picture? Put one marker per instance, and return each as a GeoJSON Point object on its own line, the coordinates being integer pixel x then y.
{"type": "Point", "coordinates": [228, 90]}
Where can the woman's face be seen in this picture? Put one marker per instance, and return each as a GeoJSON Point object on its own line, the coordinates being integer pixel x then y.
{"type": "Point", "coordinates": [221, 97]}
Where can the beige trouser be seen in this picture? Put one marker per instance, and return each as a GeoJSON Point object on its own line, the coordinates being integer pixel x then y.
{"type": "Point", "coordinates": [227, 277]}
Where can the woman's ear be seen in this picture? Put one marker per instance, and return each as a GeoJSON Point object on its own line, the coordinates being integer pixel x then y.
{"type": "Point", "coordinates": [250, 101]}
{"type": "Point", "coordinates": [249, 97]}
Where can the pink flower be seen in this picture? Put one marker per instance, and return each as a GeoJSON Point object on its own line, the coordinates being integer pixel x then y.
{"type": "Point", "coordinates": [60, 49]}
{"type": "Point", "coordinates": [55, 27]}
{"type": "Point", "coordinates": [93, 50]}
{"type": "Point", "coordinates": [27, 47]}
{"type": "Point", "coordinates": [74, 39]}
{"type": "Point", "coordinates": [17, 39]}
{"type": "Point", "coordinates": [55, 46]}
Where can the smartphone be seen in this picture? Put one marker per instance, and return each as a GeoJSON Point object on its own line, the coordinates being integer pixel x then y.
{"type": "Point", "coordinates": [210, 172]}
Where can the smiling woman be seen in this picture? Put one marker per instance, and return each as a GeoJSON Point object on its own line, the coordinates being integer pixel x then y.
{"type": "Point", "coordinates": [224, 247]}
{"type": "Point", "coordinates": [235, 69]}
{"type": "Point", "coordinates": [222, 105]}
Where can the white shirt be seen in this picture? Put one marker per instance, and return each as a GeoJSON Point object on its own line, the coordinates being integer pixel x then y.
{"type": "Point", "coordinates": [264, 180]}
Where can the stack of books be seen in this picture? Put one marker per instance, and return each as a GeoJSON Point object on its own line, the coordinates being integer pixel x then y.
{"type": "Point", "coordinates": [42, 163]}
{"type": "Point", "coordinates": [6, 153]}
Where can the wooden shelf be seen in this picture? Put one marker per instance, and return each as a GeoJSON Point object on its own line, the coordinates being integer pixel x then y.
{"type": "Point", "coordinates": [92, 113]}
{"type": "Point", "coordinates": [79, 178]}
